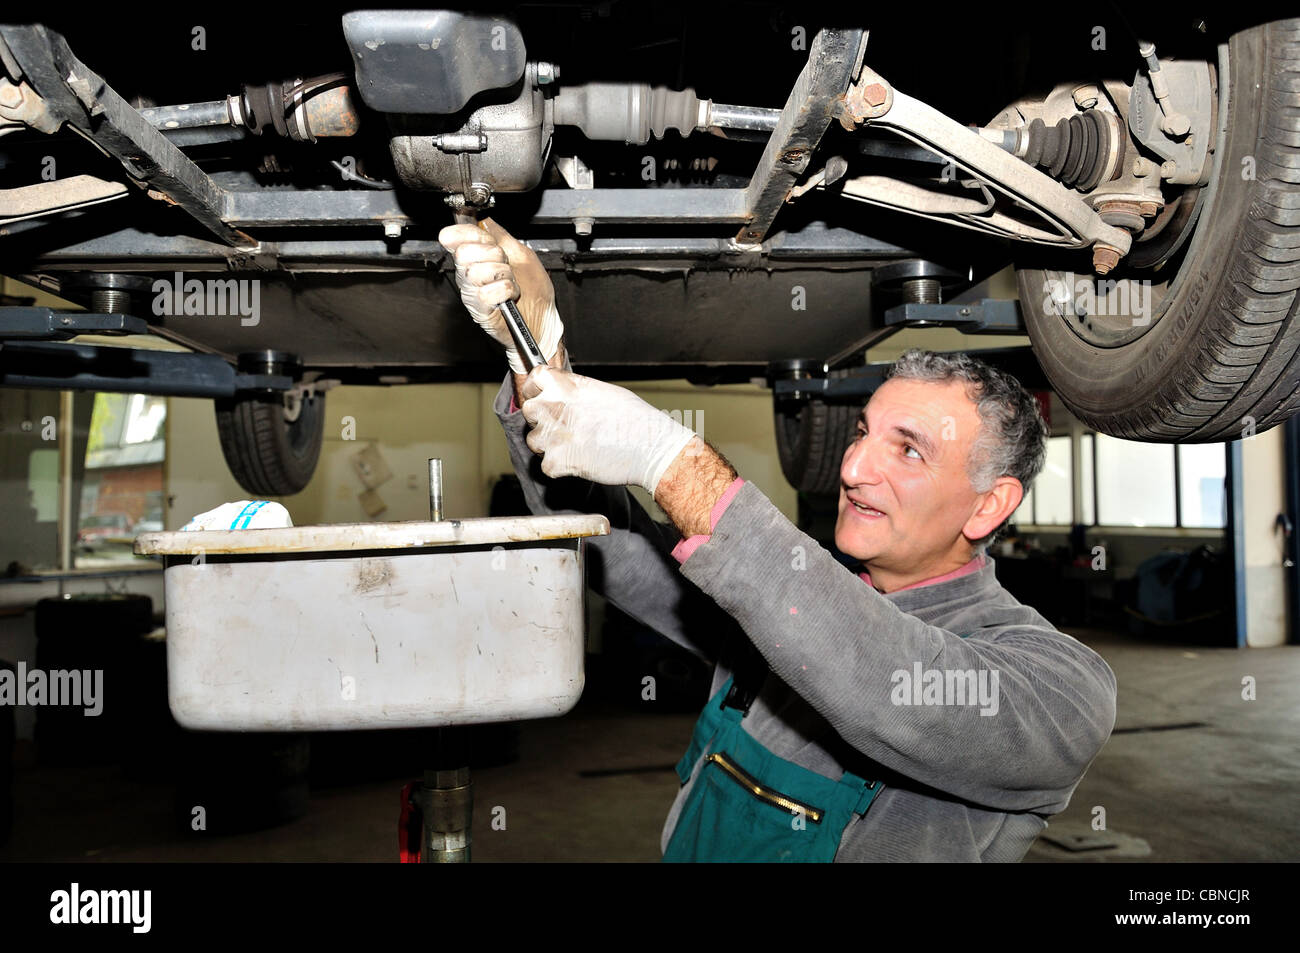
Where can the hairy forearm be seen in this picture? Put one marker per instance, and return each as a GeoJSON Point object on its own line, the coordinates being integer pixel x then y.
{"type": "Point", "coordinates": [692, 485]}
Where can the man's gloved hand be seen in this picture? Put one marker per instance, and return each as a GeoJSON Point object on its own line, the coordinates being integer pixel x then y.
{"type": "Point", "coordinates": [598, 431]}
{"type": "Point", "coordinates": [492, 267]}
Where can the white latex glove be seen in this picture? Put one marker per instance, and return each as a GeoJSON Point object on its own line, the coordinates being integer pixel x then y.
{"type": "Point", "coordinates": [245, 514]}
{"type": "Point", "coordinates": [492, 267]}
{"type": "Point", "coordinates": [598, 431]}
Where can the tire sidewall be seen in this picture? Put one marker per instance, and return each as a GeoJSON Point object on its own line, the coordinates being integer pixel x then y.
{"type": "Point", "coordinates": [308, 430]}
{"type": "Point", "coordinates": [1104, 385]}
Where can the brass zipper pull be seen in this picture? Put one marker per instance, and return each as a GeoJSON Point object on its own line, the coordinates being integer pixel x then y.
{"type": "Point", "coordinates": [752, 785]}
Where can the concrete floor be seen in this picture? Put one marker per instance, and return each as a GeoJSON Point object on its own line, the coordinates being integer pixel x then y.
{"type": "Point", "coordinates": [1220, 790]}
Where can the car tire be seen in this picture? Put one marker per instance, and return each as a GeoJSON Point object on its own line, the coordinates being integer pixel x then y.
{"type": "Point", "coordinates": [811, 437]}
{"type": "Point", "coordinates": [1217, 359]}
{"type": "Point", "coordinates": [268, 453]}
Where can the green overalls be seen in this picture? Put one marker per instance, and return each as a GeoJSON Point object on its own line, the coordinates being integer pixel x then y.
{"type": "Point", "coordinates": [750, 805]}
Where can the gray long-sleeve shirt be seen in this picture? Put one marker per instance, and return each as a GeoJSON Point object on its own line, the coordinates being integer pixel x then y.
{"type": "Point", "coordinates": [978, 715]}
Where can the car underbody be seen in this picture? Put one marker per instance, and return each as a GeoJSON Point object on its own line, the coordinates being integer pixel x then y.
{"type": "Point", "coordinates": [725, 194]}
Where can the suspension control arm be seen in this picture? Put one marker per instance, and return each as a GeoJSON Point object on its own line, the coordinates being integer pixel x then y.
{"type": "Point", "coordinates": [1068, 219]}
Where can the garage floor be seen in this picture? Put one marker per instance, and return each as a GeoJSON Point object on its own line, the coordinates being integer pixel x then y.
{"type": "Point", "coordinates": [1193, 773]}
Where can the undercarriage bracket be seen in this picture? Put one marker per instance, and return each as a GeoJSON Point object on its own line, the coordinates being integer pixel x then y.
{"type": "Point", "coordinates": [32, 355]}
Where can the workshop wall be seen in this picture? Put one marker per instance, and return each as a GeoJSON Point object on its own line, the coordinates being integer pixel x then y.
{"type": "Point", "coordinates": [407, 425]}
{"type": "Point", "coordinates": [735, 418]}
{"type": "Point", "coordinates": [404, 426]}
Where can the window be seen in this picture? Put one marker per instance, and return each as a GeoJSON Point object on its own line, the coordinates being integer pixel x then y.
{"type": "Point", "coordinates": [1053, 504]}
{"type": "Point", "coordinates": [1130, 483]}
{"type": "Point", "coordinates": [115, 447]}
{"type": "Point", "coordinates": [1202, 469]}
{"type": "Point", "coordinates": [144, 418]}
{"type": "Point", "coordinates": [1135, 483]}
{"type": "Point", "coordinates": [122, 492]}
{"type": "Point", "coordinates": [1048, 501]}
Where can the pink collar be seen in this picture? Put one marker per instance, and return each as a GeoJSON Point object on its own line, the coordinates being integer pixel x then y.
{"type": "Point", "coordinates": [974, 565]}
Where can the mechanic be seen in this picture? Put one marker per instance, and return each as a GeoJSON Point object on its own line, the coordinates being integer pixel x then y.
{"type": "Point", "coordinates": [849, 717]}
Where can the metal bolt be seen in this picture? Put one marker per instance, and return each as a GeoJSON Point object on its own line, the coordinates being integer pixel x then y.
{"type": "Point", "coordinates": [110, 301]}
{"type": "Point", "coordinates": [582, 226]}
{"type": "Point", "coordinates": [922, 291]}
{"type": "Point", "coordinates": [1085, 97]}
{"type": "Point", "coordinates": [1143, 167]}
{"type": "Point", "coordinates": [10, 95]}
{"type": "Point", "coordinates": [1104, 258]}
{"type": "Point", "coordinates": [547, 73]}
{"type": "Point", "coordinates": [478, 194]}
{"type": "Point", "coordinates": [1149, 209]}
{"type": "Point", "coordinates": [1168, 169]}
{"type": "Point", "coordinates": [392, 229]}
{"type": "Point", "coordinates": [1176, 125]}
{"type": "Point", "coordinates": [874, 94]}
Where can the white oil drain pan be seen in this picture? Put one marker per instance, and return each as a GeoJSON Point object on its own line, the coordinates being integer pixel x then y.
{"type": "Point", "coordinates": [375, 625]}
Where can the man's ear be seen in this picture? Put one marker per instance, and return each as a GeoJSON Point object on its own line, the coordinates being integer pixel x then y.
{"type": "Point", "coordinates": [994, 507]}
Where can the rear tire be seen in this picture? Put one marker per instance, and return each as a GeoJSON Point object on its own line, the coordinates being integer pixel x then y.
{"type": "Point", "coordinates": [269, 454]}
{"type": "Point", "coordinates": [811, 437]}
{"type": "Point", "coordinates": [1218, 359]}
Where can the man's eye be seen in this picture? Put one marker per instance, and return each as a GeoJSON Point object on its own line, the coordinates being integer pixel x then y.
{"type": "Point", "coordinates": [908, 446]}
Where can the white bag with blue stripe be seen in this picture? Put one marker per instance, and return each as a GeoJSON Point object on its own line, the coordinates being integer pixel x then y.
{"type": "Point", "coordinates": [243, 514]}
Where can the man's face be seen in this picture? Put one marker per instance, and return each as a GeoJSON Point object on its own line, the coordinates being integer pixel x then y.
{"type": "Point", "coordinates": [909, 463]}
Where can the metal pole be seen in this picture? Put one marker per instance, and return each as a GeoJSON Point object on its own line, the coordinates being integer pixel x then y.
{"type": "Point", "coordinates": [447, 805]}
{"type": "Point", "coordinates": [1291, 561]}
{"type": "Point", "coordinates": [66, 443]}
{"type": "Point", "coordinates": [435, 489]}
{"type": "Point", "coordinates": [189, 115]}
{"type": "Point", "coordinates": [1235, 534]}
{"type": "Point", "coordinates": [446, 798]}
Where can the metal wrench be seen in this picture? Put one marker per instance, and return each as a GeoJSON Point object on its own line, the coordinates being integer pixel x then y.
{"type": "Point", "coordinates": [529, 352]}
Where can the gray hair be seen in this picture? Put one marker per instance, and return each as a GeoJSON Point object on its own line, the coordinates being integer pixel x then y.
{"type": "Point", "coordinates": [1012, 440]}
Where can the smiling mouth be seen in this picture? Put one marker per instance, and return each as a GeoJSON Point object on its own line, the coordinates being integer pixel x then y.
{"type": "Point", "coordinates": [864, 510]}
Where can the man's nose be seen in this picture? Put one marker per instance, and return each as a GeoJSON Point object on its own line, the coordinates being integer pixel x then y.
{"type": "Point", "coordinates": [861, 462]}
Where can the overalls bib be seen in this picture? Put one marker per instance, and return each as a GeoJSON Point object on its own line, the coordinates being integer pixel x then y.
{"type": "Point", "coordinates": [750, 805]}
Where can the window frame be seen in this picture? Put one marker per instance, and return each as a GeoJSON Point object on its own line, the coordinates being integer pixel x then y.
{"type": "Point", "coordinates": [1078, 434]}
